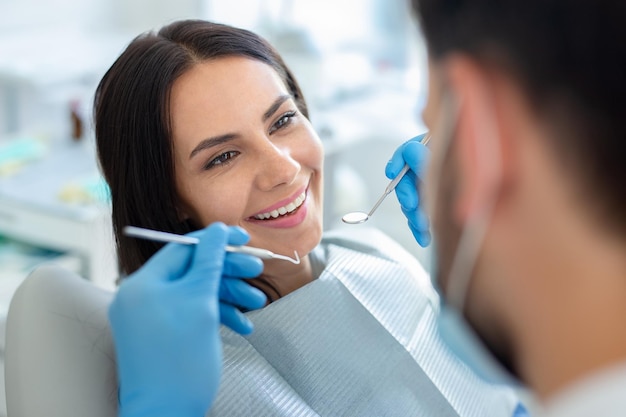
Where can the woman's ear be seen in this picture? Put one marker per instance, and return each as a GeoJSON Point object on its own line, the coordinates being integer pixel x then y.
{"type": "Point", "coordinates": [182, 212]}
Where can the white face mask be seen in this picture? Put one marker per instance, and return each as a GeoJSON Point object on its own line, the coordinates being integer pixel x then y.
{"type": "Point", "coordinates": [453, 329]}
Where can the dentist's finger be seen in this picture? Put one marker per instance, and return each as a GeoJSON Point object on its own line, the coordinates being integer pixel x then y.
{"type": "Point", "coordinates": [397, 161]}
{"type": "Point", "coordinates": [242, 265]}
{"type": "Point", "coordinates": [418, 220]}
{"type": "Point", "coordinates": [416, 155]}
{"type": "Point", "coordinates": [231, 317]}
{"type": "Point", "coordinates": [237, 236]}
{"type": "Point", "coordinates": [237, 292]}
{"type": "Point", "coordinates": [209, 254]}
{"type": "Point", "coordinates": [406, 191]}
{"type": "Point", "coordinates": [169, 263]}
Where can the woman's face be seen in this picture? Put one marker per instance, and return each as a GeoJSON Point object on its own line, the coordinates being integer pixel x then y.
{"type": "Point", "coordinates": [244, 155]}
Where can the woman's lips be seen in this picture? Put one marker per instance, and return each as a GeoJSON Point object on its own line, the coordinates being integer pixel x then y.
{"type": "Point", "coordinates": [288, 220]}
{"type": "Point", "coordinates": [281, 211]}
{"type": "Point", "coordinates": [282, 203]}
{"type": "Point", "coordinates": [286, 213]}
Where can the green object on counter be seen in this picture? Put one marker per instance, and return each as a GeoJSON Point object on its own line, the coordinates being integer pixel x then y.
{"type": "Point", "coordinates": [16, 152]}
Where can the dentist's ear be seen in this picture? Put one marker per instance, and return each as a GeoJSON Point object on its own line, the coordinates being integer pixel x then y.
{"type": "Point", "coordinates": [481, 138]}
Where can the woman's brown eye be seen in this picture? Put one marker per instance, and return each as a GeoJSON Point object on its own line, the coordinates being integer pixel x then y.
{"type": "Point", "coordinates": [221, 159]}
{"type": "Point", "coordinates": [283, 121]}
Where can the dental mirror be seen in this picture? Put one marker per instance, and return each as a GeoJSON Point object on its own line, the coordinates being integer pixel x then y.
{"type": "Point", "coordinates": [355, 217]}
{"type": "Point", "coordinates": [358, 217]}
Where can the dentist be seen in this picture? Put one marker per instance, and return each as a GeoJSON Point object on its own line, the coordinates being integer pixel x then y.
{"type": "Point", "coordinates": [525, 191]}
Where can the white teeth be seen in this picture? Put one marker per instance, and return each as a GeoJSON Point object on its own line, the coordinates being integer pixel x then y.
{"type": "Point", "coordinates": [283, 210]}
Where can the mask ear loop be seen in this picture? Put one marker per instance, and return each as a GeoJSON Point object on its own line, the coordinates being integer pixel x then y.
{"type": "Point", "coordinates": [473, 234]}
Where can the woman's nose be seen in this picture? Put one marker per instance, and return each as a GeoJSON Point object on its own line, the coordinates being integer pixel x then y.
{"type": "Point", "coordinates": [276, 166]}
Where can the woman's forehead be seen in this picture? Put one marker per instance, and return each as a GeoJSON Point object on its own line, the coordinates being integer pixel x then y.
{"type": "Point", "coordinates": [229, 75]}
{"type": "Point", "coordinates": [220, 95]}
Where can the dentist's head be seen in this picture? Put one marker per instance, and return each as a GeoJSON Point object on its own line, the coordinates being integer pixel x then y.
{"type": "Point", "coordinates": [202, 122]}
{"type": "Point", "coordinates": [527, 101]}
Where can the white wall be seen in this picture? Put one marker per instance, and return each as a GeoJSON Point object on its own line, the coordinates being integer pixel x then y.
{"type": "Point", "coordinates": [40, 15]}
{"type": "Point", "coordinates": [140, 15]}
{"type": "Point", "coordinates": [93, 15]}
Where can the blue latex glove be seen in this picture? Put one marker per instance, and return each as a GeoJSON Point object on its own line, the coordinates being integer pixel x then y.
{"type": "Point", "coordinates": [416, 156]}
{"type": "Point", "coordinates": [165, 321]}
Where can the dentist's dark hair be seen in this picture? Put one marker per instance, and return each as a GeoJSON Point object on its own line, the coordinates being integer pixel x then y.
{"type": "Point", "coordinates": [133, 123]}
{"type": "Point", "coordinates": [570, 58]}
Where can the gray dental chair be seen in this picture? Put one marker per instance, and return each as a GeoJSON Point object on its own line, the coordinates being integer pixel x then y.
{"type": "Point", "coordinates": [59, 353]}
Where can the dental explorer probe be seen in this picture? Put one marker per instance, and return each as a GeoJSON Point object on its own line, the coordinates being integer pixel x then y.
{"type": "Point", "coordinates": [149, 234]}
{"type": "Point", "coordinates": [357, 217]}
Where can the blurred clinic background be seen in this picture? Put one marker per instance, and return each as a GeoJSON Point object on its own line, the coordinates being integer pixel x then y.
{"type": "Point", "coordinates": [360, 62]}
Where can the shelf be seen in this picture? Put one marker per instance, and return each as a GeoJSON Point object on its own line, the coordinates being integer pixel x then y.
{"type": "Point", "coordinates": [33, 210]}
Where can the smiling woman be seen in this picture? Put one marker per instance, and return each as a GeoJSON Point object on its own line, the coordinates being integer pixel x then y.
{"type": "Point", "coordinates": [203, 123]}
{"type": "Point", "coordinates": [171, 115]}
{"type": "Point", "coordinates": [260, 168]}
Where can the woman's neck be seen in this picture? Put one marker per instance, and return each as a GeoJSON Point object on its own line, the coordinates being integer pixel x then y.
{"type": "Point", "coordinates": [280, 278]}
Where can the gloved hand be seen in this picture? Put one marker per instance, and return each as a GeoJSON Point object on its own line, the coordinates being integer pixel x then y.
{"type": "Point", "coordinates": [165, 321]}
{"type": "Point", "coordinates": [416, 156]}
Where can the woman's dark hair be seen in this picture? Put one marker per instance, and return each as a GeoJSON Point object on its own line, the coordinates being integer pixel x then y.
{"type": "Point", "coordinates": [570, 57]}
{"type": "Point", "coordinates": [133, 124]}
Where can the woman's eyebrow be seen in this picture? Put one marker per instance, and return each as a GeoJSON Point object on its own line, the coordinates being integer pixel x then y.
{"type": "Point", "coordinates": [207, 143]}
{"type": "Point", "coordinates": [217, 140]}
{"type": "Point", "coordinates": [274, 107]}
